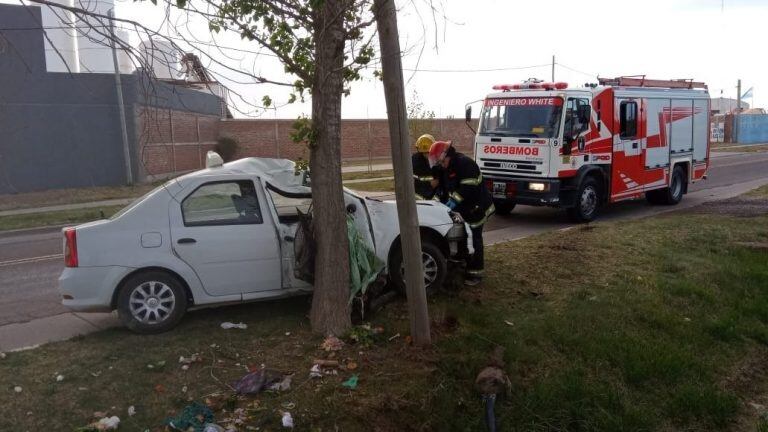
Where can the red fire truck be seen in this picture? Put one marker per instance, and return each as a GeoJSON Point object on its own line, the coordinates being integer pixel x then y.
{"type": "Point", "coordinates": [547, 144]}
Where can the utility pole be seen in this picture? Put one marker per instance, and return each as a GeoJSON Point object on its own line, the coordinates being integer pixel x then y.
{"type": "Point", "coordinates": [120, 104]}
{"type": "Point", "coordinates": [738, 111]}
{"type": "Point", "coordinates": [410, 240]}
{"type": "Point", "coordinates": [553, 68]}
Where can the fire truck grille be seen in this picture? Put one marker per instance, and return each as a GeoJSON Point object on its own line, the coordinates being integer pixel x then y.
{"type": "Point", "coordinates": [503, 166]}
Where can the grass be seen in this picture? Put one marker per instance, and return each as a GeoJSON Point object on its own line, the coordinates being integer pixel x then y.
{"type": "Point", "coordinates": [374, 186]}
{"type": "Point", "coordinates": [742, 148]}
{"type": "Point", "coordinates": [72, 196]}
{"type": "Point", "coordinates": [34, 220]}
{"type": "Point", "coordinates": [367, 175]}
{"type": "Point", "coordinates": [761, 192]}
{"type": "Point", "coordinates": [658, 324]}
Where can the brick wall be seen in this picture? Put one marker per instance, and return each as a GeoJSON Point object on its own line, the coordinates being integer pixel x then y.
{"type": "Point", "coordinates": [176, 141]}
{"type": "Point", "coordinates": [360, 139]}
{"type": "Point", "coordinates": [172, 141]}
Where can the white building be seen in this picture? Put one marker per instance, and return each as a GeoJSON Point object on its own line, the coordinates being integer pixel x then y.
{"type": "Point", "coordinates": [723, 105]}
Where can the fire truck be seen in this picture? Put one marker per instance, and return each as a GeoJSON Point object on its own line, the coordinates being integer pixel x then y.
{"type": "Point", "coordinates": [545, 144]}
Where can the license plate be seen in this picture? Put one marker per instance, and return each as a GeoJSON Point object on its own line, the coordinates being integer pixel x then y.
{"type": "Point", "coordinates": [499, 190]}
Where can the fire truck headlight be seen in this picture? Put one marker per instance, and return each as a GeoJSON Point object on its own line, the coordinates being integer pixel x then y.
{"type": "Point", "coordinates": [538, 187]}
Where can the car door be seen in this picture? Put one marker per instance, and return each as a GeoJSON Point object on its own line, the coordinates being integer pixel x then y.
{"type": "Point", "coordinates": [219, 229]}
{"type": "Point", "coordinates": [628, 159]}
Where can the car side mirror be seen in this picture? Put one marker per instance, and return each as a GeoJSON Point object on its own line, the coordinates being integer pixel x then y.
{"type": "Point", "coordinates": [351, 208]}
{"type": "Point", "coordinates": [584, 112]}
{"type": "Point", "coordinates": [468, 114]}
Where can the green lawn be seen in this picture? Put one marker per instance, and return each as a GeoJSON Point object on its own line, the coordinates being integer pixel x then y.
{"type": "Point", "coordinates": [78, 216]}
{"type": "Point", "coordinates": [657, 324]}
{"type": "Point", "coordinates": [374, 186]}
{"type": "Point", "coordinates": [367, 175]}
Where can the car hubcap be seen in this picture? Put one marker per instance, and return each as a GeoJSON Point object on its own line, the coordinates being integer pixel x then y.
{"type": "Point", "coordinates": [152, 302]}
{"type": "Point", "coordinates": [588, 200]}
{"type": "Point", "coordinates": [430, 269]}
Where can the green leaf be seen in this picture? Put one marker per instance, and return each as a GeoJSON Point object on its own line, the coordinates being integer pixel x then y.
{"type": "Point", "coordinates": [266, 101]}
{"type": "Point", "coordinates": [180, 3]}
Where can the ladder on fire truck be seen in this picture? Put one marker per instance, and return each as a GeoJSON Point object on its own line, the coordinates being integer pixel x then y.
{"type": "Point", "coordinates": [641, 81]}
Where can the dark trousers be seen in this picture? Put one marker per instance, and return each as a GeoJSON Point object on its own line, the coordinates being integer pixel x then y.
{"type": "Point", "coordinates": [476, 261]}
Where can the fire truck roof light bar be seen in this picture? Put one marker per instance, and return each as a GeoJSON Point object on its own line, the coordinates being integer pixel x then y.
{"type": "Point", "coordinates": [532, 86]}
{"type": "Point", "coordinates": [642, 81]}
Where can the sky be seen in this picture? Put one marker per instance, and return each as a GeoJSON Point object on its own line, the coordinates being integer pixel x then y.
{"type": "Point", "coordinates": [480, 43]}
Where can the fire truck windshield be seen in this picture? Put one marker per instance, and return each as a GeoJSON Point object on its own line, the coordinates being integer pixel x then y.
{"type": "Point", "coordinates": [535, 117]}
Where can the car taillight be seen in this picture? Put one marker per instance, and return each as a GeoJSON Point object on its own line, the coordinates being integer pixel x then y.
{"type": "Point", "coordinates": [70, 247]}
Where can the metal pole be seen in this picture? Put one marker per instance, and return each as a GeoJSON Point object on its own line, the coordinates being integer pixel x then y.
{"type": "Point", "coordinates": [553, 68]}
{"type": "Point", "coordinates": [120, 103]}
{"type": "Point", "coordinates": [738, 111]}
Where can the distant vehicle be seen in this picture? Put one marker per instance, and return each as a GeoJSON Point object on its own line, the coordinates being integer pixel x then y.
{"type": "Point", "coordinates": [546, 144]}
{"type": "Point", "coordinates": [226, 234]}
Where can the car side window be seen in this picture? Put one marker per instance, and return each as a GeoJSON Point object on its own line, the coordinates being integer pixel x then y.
{"type": "Point", "coordinates": [628, 119]}
{"type": "Point", "coordinates": [222, 203]}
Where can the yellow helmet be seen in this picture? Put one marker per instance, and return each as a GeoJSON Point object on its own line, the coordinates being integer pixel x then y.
{"type": "Point", "coordinates": [424, 143]}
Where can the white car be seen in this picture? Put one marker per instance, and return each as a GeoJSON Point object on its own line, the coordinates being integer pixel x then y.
{"type": "Point", "coordinates": [222, 235]}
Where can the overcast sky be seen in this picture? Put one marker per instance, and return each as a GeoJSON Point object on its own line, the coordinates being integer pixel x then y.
{"type": "Point", "coordinates": [708, 40]}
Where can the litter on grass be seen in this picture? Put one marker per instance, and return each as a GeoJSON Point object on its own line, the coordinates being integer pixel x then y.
{"type": "Point", "coordinates": [104, 424]}
{"type": "Point", "coordinates": [287, 420]}
{"type": "Point", "coordinates": [332, 343]}
{"type": "Point", "coordinates": [254, 382]}
{"type": "Point", "coordinates": [228, 325]}
{"type": "Point", "coordinates": [194, 416]}
{"type": "Point", "coordinates": [283, 385]}
{"type": "Point", "coordinates": [315, 372]}
{"type": "Point", "coordinates": [351, 383]}
{"type": "Point", "coordinates": [194, 358]}
{"type": "Point", "coordinates": [131, 411]}
{"type": "Point", "coordinates": [17, 389]}
{"type": "Point", "coordinates": [59, 378]}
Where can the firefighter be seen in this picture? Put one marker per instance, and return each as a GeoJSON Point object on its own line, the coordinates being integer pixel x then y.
{"type": "Point", "coordinates": [424, 182]}
{"type": "Point", "coordinates": [468, 196]}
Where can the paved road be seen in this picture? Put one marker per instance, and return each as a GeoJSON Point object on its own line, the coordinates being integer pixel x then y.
{"type": "Point", "coordinates": [30, 262]}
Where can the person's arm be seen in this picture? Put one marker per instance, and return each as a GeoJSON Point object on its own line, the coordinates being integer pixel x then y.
{"type": "Point", "coordinates": [467, 195]}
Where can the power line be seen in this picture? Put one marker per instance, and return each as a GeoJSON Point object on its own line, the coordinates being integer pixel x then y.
{"type": "Point", "coordinates": [475, 70]}
{"type": "Point", "coordinates": [592, 75]}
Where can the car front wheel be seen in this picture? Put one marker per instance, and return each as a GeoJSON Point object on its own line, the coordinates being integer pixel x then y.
{"type": "Point", "coordinates": [151, 302]}
{"type": "Point", "coordinates": [434, 264]}
{"type": "Point", "coordinates": [588, 201]}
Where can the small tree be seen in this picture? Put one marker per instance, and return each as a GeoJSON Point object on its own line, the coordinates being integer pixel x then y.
{"type": "Point", "coordinates": [420, 120]}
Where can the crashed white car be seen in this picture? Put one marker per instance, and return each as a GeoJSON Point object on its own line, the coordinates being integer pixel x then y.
{"type": "Point", "coordinates": [225, 234]}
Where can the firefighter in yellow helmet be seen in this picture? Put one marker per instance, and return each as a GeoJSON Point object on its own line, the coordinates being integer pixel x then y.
{"type": "Point", "coordinates": [424, 182]}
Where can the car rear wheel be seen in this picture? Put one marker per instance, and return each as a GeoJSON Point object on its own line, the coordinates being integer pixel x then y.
{"type": "Point", "coordinates": [434, 262]}
{"type": "Point", "coordinates": [151, 302]}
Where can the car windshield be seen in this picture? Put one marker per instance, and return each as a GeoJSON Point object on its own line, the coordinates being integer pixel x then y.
{"type": "Point", "coordinates": [534, 117]}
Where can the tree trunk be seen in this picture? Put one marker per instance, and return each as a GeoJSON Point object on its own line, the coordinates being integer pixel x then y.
{"type": "Point", "coordinates": [330, 311]}
{"type": "Point", "coordinates": [394, 92]}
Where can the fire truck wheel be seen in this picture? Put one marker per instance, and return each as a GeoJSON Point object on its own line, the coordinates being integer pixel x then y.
{"type": "Point", "coordinates": [503, 208]}
{"type": "Point", "coordinates": [587, 203]}
{"type": "Point", "coordinates": [674, 193]}
{"type": "Point", "coordinates": [435, 267]}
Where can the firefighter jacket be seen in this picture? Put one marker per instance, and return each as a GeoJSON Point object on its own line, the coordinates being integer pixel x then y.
{"type": "Point", "coordinates": [422, 176]}
{"type": "Point", "coordinates": [465, 186]}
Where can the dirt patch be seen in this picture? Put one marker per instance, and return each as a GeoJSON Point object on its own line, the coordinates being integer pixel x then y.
{"type": "Point", "coordinates": [749, 379]}
{"type": "Point", "coordinates": [738, 206]}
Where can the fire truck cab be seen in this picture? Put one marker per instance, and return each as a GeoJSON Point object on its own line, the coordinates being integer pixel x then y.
{"type": "Point", "coordinates": [579, 148]}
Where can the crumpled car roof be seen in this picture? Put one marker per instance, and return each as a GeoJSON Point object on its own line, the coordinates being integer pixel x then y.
{"type": "Point", "coordinates": [280, 173]}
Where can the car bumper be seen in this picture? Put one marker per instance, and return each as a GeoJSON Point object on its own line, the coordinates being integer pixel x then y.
{"type": "Point", "coordinates": [90, 289]}
{"type": "Point", "coordinates": [519, 191]}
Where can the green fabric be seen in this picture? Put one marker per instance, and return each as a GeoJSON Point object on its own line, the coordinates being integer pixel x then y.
{"type": "Point", "coordinates": [193, 417]}
{"type": "Point", "coordinates": [364, 265]}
